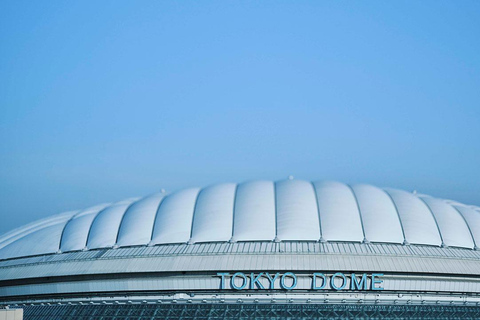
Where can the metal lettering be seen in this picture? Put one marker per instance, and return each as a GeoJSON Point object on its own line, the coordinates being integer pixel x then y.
{"type": "Point", "coordinates": [282, 280]}
{"type": "Point", "coordinates": [272, 281]}
{"type": "Point", "coordinates": [332, 281]}
{"type": "Point", "coordinates": [375, 281]}
{"type": "Point", "coordinates": [232, 281]}
{"type": "Point", "coordinates": [222, 282]}
{"type": "Point", "coordinates": [314, 281]}
{"type": "Point", "coordinates": [255, 281]}
{"type": "Point", "coordinates": [362, 285]}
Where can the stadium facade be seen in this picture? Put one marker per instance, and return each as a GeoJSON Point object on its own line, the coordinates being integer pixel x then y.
{"type": "Point", "coordinates": [260, 249]}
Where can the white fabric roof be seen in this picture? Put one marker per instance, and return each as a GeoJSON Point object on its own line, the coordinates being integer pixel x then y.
{"type": "Point", "coordinates": [290, 210]}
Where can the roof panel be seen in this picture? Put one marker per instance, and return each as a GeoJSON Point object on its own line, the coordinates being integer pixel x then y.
{"type": "Point", "coordinates": [297, 213]}
{"type": "Point", "coordinates": [417, 220]}
{"type": "Point", "coordinates": [174, 218]}
{"type": "Point", "coordinates": [43, 241]}
{"type": "Point", "coordinates": [452, 226]}
{"type": "Point", "coordinates": [23, 231]}
{"type": "Point", "coordinates": [75, 233]}
{"type": "Point", "coordinates": [339, 215]}
{"type": "Point", "coordinates": [137, 223]}
{"type": "Point", "coordinates": [104, 228]}
{"type": "Point", "coordinates": [473, 219]}
{"type": "Point", "coordinates": [213, 217]}
{"type": "Point", "coordinates": [377, 209]}
{"type": "Point", "coordinates": [254, 212]}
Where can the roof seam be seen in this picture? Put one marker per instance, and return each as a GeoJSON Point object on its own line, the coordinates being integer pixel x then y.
{"type": "Point", "coordinates": [468, 226]}
{"type": "Point", "coordinates": [434, 219]}
{"type": "Point", "coordinates": [359, 212]}
{"type": "Point", "coordinates": [65, 226]}
{"type": "Point", "coordinates": [233, 211]}
{"type": "Point", "coordinates": [318, 210]}
{"type": "Point", "coordinates": [398, 215]}
{"type": "Point", "coordinates": [276, 216]}
{"type": "Point", "coordinates": [156, 214]}
{"type": "Point", "coordinates": [193, 214]}
{"type": "Point", "coordinates": [123, 218]}
{"type": "Point", "coordinates": [24, 231]}
{"type": "Point", "coordinates": [93, 221]}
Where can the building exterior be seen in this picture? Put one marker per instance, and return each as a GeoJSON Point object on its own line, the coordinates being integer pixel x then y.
{"type": "Point", "coordinates": [261, 249]}
{"type": "Point", "coordinates": [11, 314]}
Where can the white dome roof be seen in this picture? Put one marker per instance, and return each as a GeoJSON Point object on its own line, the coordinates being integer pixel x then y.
{"type": "Point", "coordinates": [290, 210]}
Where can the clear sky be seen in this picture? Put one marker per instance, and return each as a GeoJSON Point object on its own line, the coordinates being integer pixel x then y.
{"type": "Point", "coordinates": [105, 100]}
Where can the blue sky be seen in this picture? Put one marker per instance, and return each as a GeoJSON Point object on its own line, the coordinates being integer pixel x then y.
{"type": "Point", "coordinates": [101, 101]}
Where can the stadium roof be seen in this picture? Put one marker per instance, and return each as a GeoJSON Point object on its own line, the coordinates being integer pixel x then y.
{"type": "Point", "coordinates": [289, 210]}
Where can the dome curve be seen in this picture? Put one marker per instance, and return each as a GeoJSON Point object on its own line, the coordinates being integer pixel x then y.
{"type": "Point", "coordinates": [289, 210]}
